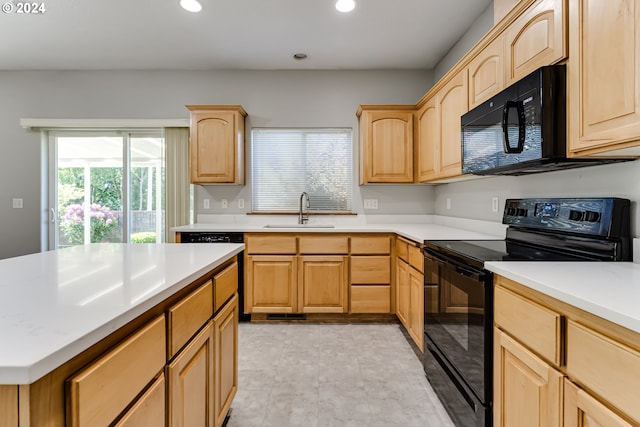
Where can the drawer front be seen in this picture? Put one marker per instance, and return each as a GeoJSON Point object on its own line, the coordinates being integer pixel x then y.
{"type": "Point", "coordinates": [606, 367]}
{"type": "Point", "coordinates": [149, 410]}
{"type": "Point", "coordinates": [402, 249]}
{"type": "Point", "coordinates": [188, 316]}
{"type": "Point", "coordinates": [416, 257]}
{"type": "Point", "coordinates": [535, 326]}
{"type": "Point", "coordinates": [370, 299]}
{"type": "Point", "coordinates": [267, 244]}
{"type": "Point", "coordinates": [370, 245]}
{"type": "Point", "coordinates": [324, 244]}
{"type": "Point", "coordinates": [371, 270]}
{"type": "Point", "coordinates": [100, 392]}
{"type": "Point", "coordinates": [225, 284]}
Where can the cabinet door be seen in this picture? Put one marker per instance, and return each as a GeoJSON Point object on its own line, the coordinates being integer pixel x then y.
{"type": "Point", "coordinates": [453, 102]}
{"type": "Point", "coordinates": [323, 284]}
{"type": "Point", "coordinates": [225, 331]}
{"type": "Point", "coordinates": [271, 285]}
{"type": "Point", "coordinates": [486, 73]}
{"type": "Point", "coordinates": [537, 38]}
{"type": "Point", "coordinates": [9, 405]}
{"type": "Point", "coordinates": [527, 390]}
{"type": "Point", "coordinates": [216, 145]}
{"type": "Point", "coordinates": [403, 292]}
{"type": "Point", "coordinates": [582, 410]}
{"type": "Point", "coordinates": [604, 76]}
{"type": "Point", "coordinates": [386, 146]}
{"type": "Point", "coordinates": [149, 410]}
{"type": "Point", "coordinates": [428, 143]}
{"type": "Point", "coordinates": [191, 386]}
{"type": "Point", "coordinates": [416, 307]}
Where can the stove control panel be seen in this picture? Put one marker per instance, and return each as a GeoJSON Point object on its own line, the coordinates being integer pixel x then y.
{"type": "Point", "coordinates": [591, 216]}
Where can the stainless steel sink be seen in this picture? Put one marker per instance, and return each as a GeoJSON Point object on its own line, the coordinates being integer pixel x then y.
{"type": "Point", "coordinates": [299, 226]}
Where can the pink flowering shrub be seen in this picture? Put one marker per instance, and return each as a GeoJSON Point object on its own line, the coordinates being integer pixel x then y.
{"type": "Point", "coordinates": [72, 222]}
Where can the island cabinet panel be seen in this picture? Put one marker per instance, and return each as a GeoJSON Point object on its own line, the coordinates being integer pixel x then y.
{"type": "Point", "coordinates": [9, 405]}
{"type": "Point", "coordinates": [225, 285]}
{"type": "Point", "coordinates": [101, 391]}
{"type": "Point", "coordinates": [271, 283]}
{"type": "Point", "coordinates": [186, 317]}
{"type": "Point", "coordinates": [537, 38]}
{"type": "Point", "coordinates": [149, 410]}
{"type": "Point", "coordinates": [191, 383]}
{"type": "Point", "coordinates": [225, 332]}
{"type": "Point", "coordinates": [528, 391]}
{"type": "Point", "coordinates": [324, 281]}
{"type": "Point", "coordinates": [217, 144]}
{"type": "Point", "coordinates": [582, 410]}
{"type": "Point", "coordinates": [604, 77]}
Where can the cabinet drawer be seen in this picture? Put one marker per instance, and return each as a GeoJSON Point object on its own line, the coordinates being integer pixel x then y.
{"type": "Point", "coordinates": [535, 326]}
{"type": "Point", "coordinates": [188, 316]}
{"type": "Point", "coordinates": [606, 367]}
{"type": "Point", "coordinates": [101, 391]}
{"type": "Point", "coordinates": [370, 299]}
{"type": "Point", "coordinates": [324, 245]}
{"type": "Point", "coordinates": [149, 410]}
{"type": "Point", "coordinates": [225, 284]}
{"type": "Point", "coordinates": [370, 245]}
{"type": "Point", "coordinates": [266, 244]}
{"type": "Point", "coordinates": [371, 269]}
{"type": "Point", "coordinates": [416, 257]}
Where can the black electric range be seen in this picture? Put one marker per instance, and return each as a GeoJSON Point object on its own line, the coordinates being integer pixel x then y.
{"type": "Point", "coordinates": [458, 317]}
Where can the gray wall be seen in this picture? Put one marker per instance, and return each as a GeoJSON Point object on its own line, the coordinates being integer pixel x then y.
{"type": "Point", "coordinates": [478, 29]}
{"type": "Point", "coordinates": [272, 98]}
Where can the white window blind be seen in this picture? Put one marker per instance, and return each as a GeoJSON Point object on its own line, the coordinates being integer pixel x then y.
{"type": "Point", "coordinates": [286, 162]}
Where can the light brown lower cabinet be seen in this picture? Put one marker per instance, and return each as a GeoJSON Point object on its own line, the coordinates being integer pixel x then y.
{"type": "Point", "coordinates": [410, 289]}
{"type": "Point", "coordinates": [149, 410]}
{"type": "Point", "coordinates": [225, 333]}
{"type": "Point", "coordinates": [9, 405]}
{"type": "Point", "coordinates": [528, 391]}
{"type": "Point", "coordinates": [557, 365]}
{"type": "Point", "coordinates": [582, 410]}
{"type": "Point", "coordinates": [272, 285]}
{"type": "Point", "coordinates": [323, 281]}
{"type": "Point", "coordinates": [191, 383]}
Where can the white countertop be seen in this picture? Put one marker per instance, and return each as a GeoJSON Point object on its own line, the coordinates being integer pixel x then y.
{"type": "Point", "coordinates": [417, 229]}
{"type": "Point", "coordinates": [610, 290]}
{"type": "Point", "coordinates": [54, 305]}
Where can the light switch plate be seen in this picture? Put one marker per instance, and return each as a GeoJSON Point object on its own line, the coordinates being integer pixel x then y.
{"type": "Point", "coordinates": [240, 203]}
{"type": "Point", "coordinates": [495, 204]}
{"type": "Point", "coordinates": [17, 203]}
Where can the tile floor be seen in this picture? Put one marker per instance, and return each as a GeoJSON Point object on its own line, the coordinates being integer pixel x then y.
{"type": "Point", "coordinates": [318, 375]}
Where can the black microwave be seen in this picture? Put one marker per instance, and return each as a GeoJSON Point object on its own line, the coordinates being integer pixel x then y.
{"type": "Point", "coordinates": [522, 129]}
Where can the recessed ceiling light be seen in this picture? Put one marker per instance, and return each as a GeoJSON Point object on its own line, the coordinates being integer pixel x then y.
{"type": "Point", "coordinates": [345, 5]}
{"type": "Point", "coordinates": [299, 56]}
{"type": "Point", "coordinates": [191, 5]}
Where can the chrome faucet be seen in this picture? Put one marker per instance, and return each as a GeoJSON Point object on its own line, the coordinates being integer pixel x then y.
{"type": "Point", "coordinates": [304, 217]}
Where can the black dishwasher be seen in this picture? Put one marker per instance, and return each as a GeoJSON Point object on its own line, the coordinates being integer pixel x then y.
{"type": "Point", "coordinates": [223, 237]}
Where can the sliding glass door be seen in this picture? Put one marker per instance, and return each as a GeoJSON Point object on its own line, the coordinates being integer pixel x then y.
{"type": "Point", "coordinates": [113, 179]}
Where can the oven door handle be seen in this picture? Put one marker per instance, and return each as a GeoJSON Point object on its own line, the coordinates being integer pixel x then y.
{"type": "Point", "coordinates": [458, 267]}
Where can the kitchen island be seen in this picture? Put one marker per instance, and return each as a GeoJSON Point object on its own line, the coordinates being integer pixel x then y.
{"type": "Point", "coordinates": [64, 314]}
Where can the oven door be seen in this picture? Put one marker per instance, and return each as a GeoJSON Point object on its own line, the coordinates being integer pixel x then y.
{"type": "Point", "coordinates": [459, 318]}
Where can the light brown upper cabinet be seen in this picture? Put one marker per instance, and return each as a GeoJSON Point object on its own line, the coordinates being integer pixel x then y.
{"type": "Point", "coordinates": [428, 140]}
{"type": "Point", "coordinates": [604, 77]}
{"type": "Point", "coordinates": [486, 73]}
{"type": "Point", "coordinates": [217, 144]}
{"type": "Point", "coordinates": [452, 104]}
{"type": "Point", "coordinates": [537, 38]}
{"type": "Point", "coordinates": [386, 143]}
{"type": "Point", "coordinates": [501, 8]}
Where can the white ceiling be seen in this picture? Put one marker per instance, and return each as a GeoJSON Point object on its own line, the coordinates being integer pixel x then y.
{"type": "Point", "coordinates": [233, 34]}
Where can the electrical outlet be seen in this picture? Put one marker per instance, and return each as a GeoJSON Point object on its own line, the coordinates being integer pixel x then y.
{"type": "Point", "coordinates": [206, 203]}
{"type": "Point", "coordinates": [448, 203]}
{"type": "Point", "coordinates": [495, 204]}
{"type": "Point", "coordinates": [371, 203]}
{"type": "Point", "coordinates": [225, 203]}
{"type": "Point", "coordinates": [240, 203]}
